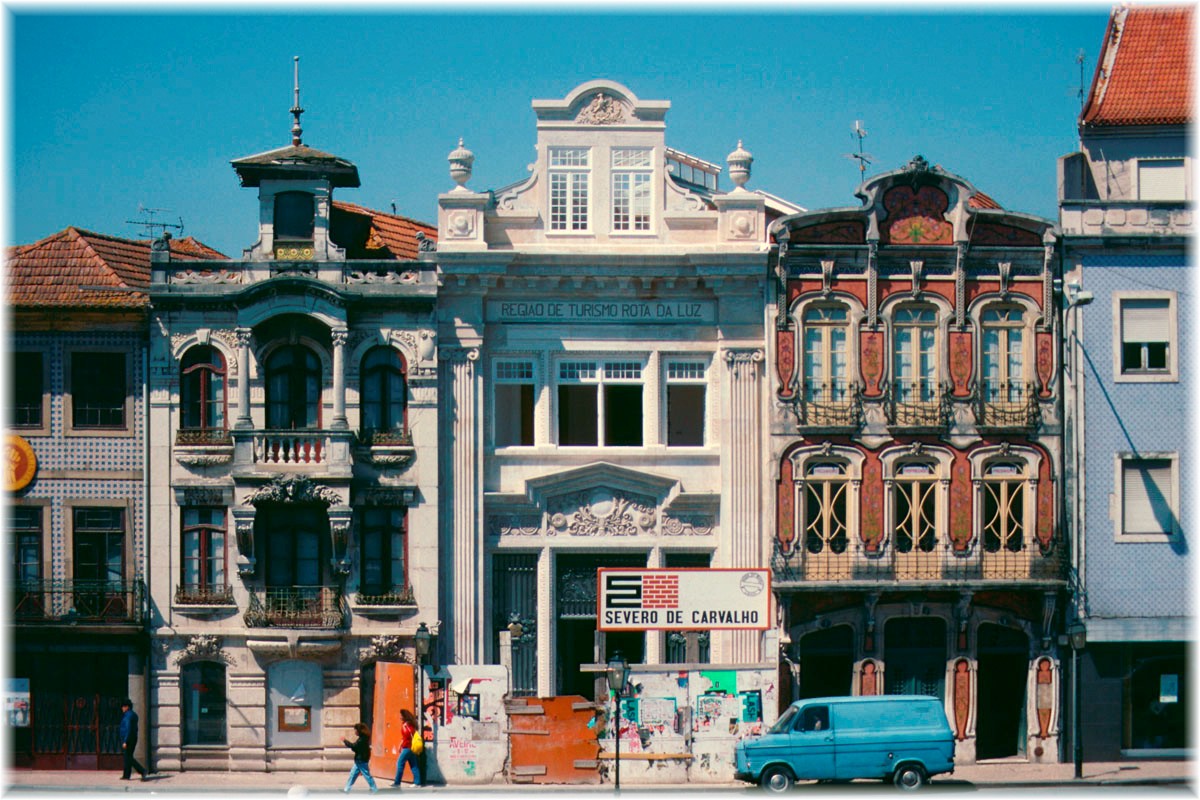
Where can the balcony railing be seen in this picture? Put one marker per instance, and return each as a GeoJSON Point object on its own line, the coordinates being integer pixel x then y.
{"type": "Point", "coordinates": [829, 406]}
{"type": "Point", "coordinates": [910, 406]}
{"type": "Point", "coordinates": [202, 437]}
{"type": "Point", "coordinates": [290, 447]}
{"type": "Point", "coordinates": [203, 595]}
{"type": "Point", "coordinates": [79, 602]}
{"type": "Point", "coordinates": [395, 597]}
{"type": "Point", "coordinates": [296, 607]}
{"type": "Point", "coordinates": [1006, 405]}
{"type": "Point", "coordinates": [941, 564]}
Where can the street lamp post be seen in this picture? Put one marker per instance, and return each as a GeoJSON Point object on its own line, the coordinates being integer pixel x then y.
{"type": "Point", "coordinates": [1077, 633]}
{"type": "Point", "coordinates": [421, 643]}
{"type": "Point", "coordinates": [618, 671]}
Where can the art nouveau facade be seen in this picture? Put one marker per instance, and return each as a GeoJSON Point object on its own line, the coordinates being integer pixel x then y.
{"type": "Point", "coordinates": [293, 462]}
{"type": "Point", "coordinates": [602, 387]}
{"type": "Point", "coordinates": [914, 456]}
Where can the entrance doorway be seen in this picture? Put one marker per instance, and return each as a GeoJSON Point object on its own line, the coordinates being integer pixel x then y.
{"type": "Point", "coordinates": [915, 653]}
{"type": "Point", "coordinates": [75, 712]}
{"type": "Point", "coordinates": [827, 662]}
{"type": "Point", "coordinates": [575, 580]}
{"type": "Point", "coordinates": [1003, 673]}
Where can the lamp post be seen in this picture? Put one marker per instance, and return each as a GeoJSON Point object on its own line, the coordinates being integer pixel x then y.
{"type": "Point", "coordinates": [618, 671]}
{"type": "Point", "coordinates": [421, 644]}
{"type": "Point", "coordinates": [1077, 633]}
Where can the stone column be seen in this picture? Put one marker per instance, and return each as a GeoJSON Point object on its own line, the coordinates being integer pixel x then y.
{"type": "Point", "coordinates": [243, 384]}
{"type": "Point", "coordinates": [462, 472]}
{"type": "Point", "coordinates": [742, 474]}
{"type": "Point", "coordinates": [339, 337]}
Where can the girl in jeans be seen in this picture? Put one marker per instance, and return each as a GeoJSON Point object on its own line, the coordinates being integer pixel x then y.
{"type": "Point", "coordinates": [407, 756]}
{"type": "Point", "coordinates": [362, 755]}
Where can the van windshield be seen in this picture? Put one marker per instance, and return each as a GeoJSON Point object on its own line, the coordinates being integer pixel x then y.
{"type": "Point", "coordinates": [784, 723]}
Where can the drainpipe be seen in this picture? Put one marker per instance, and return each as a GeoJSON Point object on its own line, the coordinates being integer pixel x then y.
{"type": "Point", "coordinates": [146, 504]}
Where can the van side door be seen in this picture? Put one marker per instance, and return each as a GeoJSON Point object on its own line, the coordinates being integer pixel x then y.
{"type": "Point", "coordinates": [811, 754]}
{"type": "Point", "coordinates": [867, 739]}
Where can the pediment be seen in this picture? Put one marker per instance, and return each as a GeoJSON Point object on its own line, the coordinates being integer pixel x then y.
{"type": "Point", "coordinates": [601, 475]}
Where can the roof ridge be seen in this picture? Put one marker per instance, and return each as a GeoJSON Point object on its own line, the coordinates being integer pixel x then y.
{"type": "Point", "coordinates": [101, 260]}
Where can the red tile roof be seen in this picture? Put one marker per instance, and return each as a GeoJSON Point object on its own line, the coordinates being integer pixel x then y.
{"type": "Point", "coordinates": [59, 270]}
{"type": "Point", "coordinates": [388, 236]}
{"type": "Point", "coordinates": [1144, 72]}
{"type": "Point", "coordinates": [981, 200]}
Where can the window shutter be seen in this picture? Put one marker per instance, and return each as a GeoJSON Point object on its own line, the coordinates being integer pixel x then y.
{"type": "Point", "coordinates": [1145, 320]}
{"type": "Point", "coordinates": [1146, 490]}
{"type": "Point", "coordinates": [1161, 180]}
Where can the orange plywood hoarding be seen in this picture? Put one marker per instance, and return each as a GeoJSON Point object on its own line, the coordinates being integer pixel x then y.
{"type": "Point", "coordinates": [395, 686]}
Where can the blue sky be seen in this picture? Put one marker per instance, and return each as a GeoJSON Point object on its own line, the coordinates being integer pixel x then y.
{"type": "Point", "coordinates": [113, 110]}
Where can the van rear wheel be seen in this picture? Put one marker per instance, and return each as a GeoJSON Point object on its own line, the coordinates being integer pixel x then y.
{"type": "Point", "coordinates": [777, 779]}
{"type": "Point", "coordinates": [909, 777]}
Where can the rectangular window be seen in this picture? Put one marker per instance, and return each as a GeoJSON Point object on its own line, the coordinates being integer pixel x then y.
{"type": "Point", "coordinates": [98, 390]}
{"type": "Point", "coordinates": [382, 560]}
{"type": "Point", "coordinates": [99, 545]}
{"type": "Point", "coordinates": [631, 188]}
{"type": "Point", "coordinates": [27, 390]}
{"type": "Point", "coordinates": [1146, 327]}
{"type": "Point", "coordinates": [513, 396]}
{"type": "Point", "coordinates": [570, 183]}
{"type": "Point", "coordinates": [203, 550]}
{"type": "Point", "coordinates": [1148, 498]}
{"type": "Point", "coordinates": [1162, 179]}
{"type": "Point", "coordinates": [26, 544]}
{"type": "Point", "coordinates": [686, 403]}
{"type": "Point", "coordinates": [600, 403]}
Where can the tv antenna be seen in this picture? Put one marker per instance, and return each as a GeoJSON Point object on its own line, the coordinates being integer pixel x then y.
{"type": "Point", "coordinates": [154, 227]}
{"type": "Point", "coordinates": [1079, 59]}
{"type": "Point", "coordinates": [864, 159]}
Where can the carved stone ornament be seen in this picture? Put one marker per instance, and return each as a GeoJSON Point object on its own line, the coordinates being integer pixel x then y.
{"type": "Point", "coordinates": [202, 646]}
{"type": "Point", "coordinates": [293, 489]}
{"type": "Point", "coordinates": [461, 225]}
{"type": "Point", "coordinates": [209, 276]}
{"type": "Point", "coordinates": [517, 524]}
{"type": "Point", "coordinates": [741, 225]}
{"type": "Point", "coordinates": [203, 459]}
{"type": "Point", "coordinates": [1005, 268]}
{"type": "Point", "coordinates": [918, 269]}
{"type": "Point", "coordinates": [390, 276]}
{"type": "Point", "coordinates": [384, 648]}
{"type": "Point", "coordinates": [603, 110]}
{"type": "Point", "coordinates": [425, 244]}
{"type": "Point", "coordinates": [602, 512]}
{"type": "Point", "coordinates": [690, 525]}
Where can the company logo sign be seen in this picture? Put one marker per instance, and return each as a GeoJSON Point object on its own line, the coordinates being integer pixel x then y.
{"type": "Point", "coordinates": [683, 599]}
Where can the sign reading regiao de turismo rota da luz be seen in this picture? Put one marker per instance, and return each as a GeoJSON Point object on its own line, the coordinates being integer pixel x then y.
{"type": "Point", "coordinates": [683, 599]}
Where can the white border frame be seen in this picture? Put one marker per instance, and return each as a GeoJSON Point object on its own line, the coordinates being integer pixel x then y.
{"type": "Point", "coordinates": [1172, 373]}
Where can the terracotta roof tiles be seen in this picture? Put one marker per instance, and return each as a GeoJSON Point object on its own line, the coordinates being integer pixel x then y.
{"type": "Point", "coordinates": [1144, 72]}
{"type": "Point", "coordinates": [390, 235]}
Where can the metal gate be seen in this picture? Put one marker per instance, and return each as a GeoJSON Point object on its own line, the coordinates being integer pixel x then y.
{"type": "Point", "coordinates": [551, 740]}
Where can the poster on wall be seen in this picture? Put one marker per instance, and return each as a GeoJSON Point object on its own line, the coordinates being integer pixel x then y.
{"type": "Point", "coordinates": [17, 702]}
{"type": "Point", "coordinates": [1168, 689]}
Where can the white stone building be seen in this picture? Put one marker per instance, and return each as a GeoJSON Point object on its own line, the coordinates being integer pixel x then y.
{"type": "Point", "coordinates": [601, 328]}
{"type": "Point", "coordinates": [293, 474]}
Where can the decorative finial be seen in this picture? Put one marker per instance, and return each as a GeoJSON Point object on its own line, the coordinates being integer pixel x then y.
{"type": "Point", "coordinates": [461, 160]}
{"type": "Point", "coordinates": [739, 165]}
{"type": "Point", "coordinates": [296, 109]}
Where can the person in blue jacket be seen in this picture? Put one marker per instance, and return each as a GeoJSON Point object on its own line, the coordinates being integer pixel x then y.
{"type": "Point", "coordinates": [128, 733]}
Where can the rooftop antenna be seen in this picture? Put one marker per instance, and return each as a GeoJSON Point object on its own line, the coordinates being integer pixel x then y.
{"type": "Point", "coordinates": [1079, 59]}
{"type": "Point", "coordinates": [153, 227]}
{"type": "Point", "coordinates": [296, 109]}
{"type": "Point", "coordinates": [864, 159]}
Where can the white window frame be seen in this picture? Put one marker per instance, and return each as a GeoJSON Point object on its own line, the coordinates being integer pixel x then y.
{"type": "Point", "coordinates": [1171, 373]}
{"type": "Point", "coordinates": [640, 168]}
{"type": "Point", "coordinates": [500, 365]}
{"type": "Point", "coordinates": [1186, 177]}
{"type": "Point", "coordinates": [826, 328]}
{"type": "Point", "coordinates": [574, 165]}
{"type": "Point", "coordinates": [1118, 506]}
{"type": "Point", "coordinates": [1005, 328]}
{"type": "Point", "coordinates": [598, 375]}
{"type": "Point", "coordinates": [910, 387]}
{"type": "Point", "coordinates": [702, 364]}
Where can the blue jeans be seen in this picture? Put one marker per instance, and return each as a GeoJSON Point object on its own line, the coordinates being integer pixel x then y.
{"type": "Point", "coordinates": [407, 756]}
{"type": "Point", "coordinates": [360, 768]}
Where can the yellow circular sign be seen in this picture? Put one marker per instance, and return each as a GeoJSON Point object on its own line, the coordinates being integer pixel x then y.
{"type": "Point", "coordinates": [20, 463]}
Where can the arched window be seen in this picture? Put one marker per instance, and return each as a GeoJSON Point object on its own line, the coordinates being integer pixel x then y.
{"type": "Point", "coordinates": [825, 521]}
{"type": "Point", "coordinates": [202, 389]}
{"type": "Point", "coordinates": [825, 332]}
{"type": "Point", "coordinates": [293, 388]}
{"type": "Point", "coordinates": [384, 390]}
{"type": "Point", "coordinates": [915, 498]}
{"type": "Point", "coordinates": [1003, 509]}
{"type": "Point", "coordinates": [1002, 373]}
{"type": "Point", "coordinates": [294, 216]}
{"type": "Point", "coordinates": [914, 354]}
{"type": "Point", "coordinates": [202, 684]}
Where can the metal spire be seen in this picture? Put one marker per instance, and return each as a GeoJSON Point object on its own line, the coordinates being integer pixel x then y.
{"type": "Point", "coordinates": [296, 109]}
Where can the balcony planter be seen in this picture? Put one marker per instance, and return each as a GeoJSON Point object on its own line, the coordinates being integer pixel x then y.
{"type": "Point", "coordinates": [388, 448]}
{"type": "Point", "coordinates": [203, 600]}
{"type": "Point", "coordinates": [203, 448]}
{"type": "Point", "coordinates": [389, 604]}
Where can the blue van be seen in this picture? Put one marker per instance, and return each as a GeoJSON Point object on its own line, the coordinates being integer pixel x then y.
{"type": "Point", "coordinates": [900, 738]}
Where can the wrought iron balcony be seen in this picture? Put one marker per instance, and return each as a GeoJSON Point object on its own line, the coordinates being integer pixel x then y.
{"type": "Point", "coordinates": [79, 602]}
{"type": "Point", "coordinates": [221, 595]}
{"type": "Point", "coordinates": [829, 406]}
{"type": "Point", "coordinates": [393, 597]}
{"type": "Point", "coordinates": [1006, 405]}
{"type": "Point", "coordinates": [941, 564]}
{"type": "Point", "coordinates": [297, 607]}
{"type": "Point", "coordinates": [911, 406]}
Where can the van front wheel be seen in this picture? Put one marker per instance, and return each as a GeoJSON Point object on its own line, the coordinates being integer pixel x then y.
{"type": "Point", "coordinates": [777, 779]}
{"type": "Point", "coordinates": [909, 777]}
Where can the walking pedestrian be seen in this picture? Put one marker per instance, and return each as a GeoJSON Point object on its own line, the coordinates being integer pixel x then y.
{"type": "Point", "coordinates": [128, 733]}
{"type": "Point", "coordinates": [408, 729]}
{"type": "Point", "coordinates": [362, 757]}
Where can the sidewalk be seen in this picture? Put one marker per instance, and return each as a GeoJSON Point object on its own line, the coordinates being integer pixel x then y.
{"type": "Point", "coordinates": [995, 774]}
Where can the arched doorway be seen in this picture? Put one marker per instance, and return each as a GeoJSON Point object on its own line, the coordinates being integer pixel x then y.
{"type": "Point", "coordinates": [827, 662]}
{"type": "Point", "coordinates": [915, 656]}
{"type": "Point", "coordinates": [1000, 727]}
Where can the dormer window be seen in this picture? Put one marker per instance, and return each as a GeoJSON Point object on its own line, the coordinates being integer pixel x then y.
{"type": "Point", "coordinates": [294, 217]}
{"type": "Point", "coordinates": [631, 188]}
{"type": "Point", "coordinates": [570, 184]}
